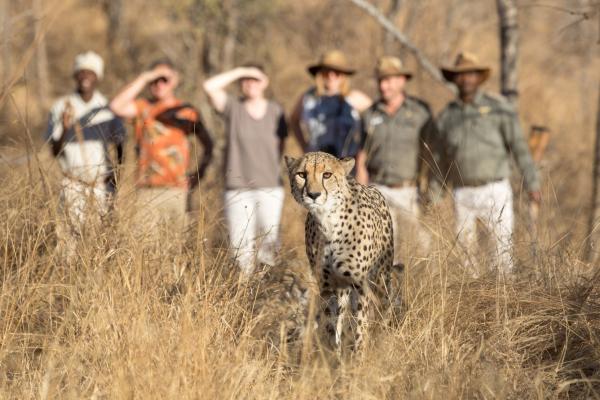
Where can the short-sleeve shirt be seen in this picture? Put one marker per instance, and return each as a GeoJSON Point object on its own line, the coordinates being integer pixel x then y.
{"type": "Point", "coordinates": [395, 143]}
{"type": "Point", "coordinates": [253, 146]}
{"type": "Point", "coordinates": [85, 158]}
{"type": "Point", "coordinates": [163, 150]}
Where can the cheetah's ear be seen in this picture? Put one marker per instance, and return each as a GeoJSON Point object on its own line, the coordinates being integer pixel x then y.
{"type": "Point", "coordinates": [289, 162]}
{"type": "Point", "coordinates": [347, 164]}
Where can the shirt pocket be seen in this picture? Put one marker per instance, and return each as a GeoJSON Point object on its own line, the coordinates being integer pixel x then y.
{"type": "Point", "coordinates": [488, 132]}
{"type": "Point", "coordinates": [455, 136]}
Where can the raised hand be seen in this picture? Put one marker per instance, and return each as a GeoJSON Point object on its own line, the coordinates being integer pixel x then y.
{"type": "Point", "coordinates": [68, 117]}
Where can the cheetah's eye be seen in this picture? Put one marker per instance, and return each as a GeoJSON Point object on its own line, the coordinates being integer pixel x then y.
{"type": "Point", "coordinates": [326, 175]}
{"type": "Point", "coordinates": [301, 175]}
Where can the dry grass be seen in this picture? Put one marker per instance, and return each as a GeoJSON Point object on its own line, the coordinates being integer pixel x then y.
{"type": "Point", "coordinates": [130, 319]}
{"type": "Point", "coordinates": [124, 321]}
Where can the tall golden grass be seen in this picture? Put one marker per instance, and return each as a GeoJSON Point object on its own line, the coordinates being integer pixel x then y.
{"type": "Point", "coordinates": [132, 318]}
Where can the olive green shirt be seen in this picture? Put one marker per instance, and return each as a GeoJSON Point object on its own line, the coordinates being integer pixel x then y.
{"type": "Point", "coordinates": [395, 144]}
{"type": "Point", "coordinates": [476, 140]}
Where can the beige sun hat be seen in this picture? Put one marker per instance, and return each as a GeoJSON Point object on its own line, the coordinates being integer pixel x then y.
{"type": "Point", "coordinates": [333, 59]}
{"type": "Point", "coordinates": [466, 62]}
{"type": "Point", "coordinates": [391, 66]}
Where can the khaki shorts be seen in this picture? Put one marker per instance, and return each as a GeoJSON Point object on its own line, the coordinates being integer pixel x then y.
{"type": "Point", "coordinates": [161, 208]}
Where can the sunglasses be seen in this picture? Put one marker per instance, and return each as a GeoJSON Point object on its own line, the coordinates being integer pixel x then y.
{"type": "Point", "coordinates": [162, 79]}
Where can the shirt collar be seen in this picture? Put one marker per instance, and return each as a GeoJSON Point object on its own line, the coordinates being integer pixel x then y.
{"type": "Point", "coordinates": [97, 98]}
{"type": "Point", "coordinates": [380, 105]}
{"type": "Point", "coordinates": [476, 100]}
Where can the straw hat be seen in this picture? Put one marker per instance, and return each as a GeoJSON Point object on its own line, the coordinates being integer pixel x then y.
{"type": "Point", "coordinates": [466, 62]}
{"type": "Point", "coordinates": [391, 66]}
{"type": "Point", "coordinates": [89, 61]}
{"type": "Point", "coordinates": [333, 59]}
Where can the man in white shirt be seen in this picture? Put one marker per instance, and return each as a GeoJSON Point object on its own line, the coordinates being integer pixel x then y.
{"type": "Point", "coordinates": [80, 129]}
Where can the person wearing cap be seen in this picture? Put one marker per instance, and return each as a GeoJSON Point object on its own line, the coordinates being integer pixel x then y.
{"type": "Point", "coordinates": [478, 134]}
{"type": "Point", "coordinates": [397, 131]}
{"type": "Point", "coordinates": [80, 130]}
{"type": "Point", "coordinates": [327, 116]}
{"type": "Point", "coordinates": [255, 134]}
{"type": "Point", "coordinates": [163, 123]}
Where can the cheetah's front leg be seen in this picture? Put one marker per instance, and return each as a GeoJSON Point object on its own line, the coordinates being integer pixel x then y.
{"type": "Point", "coordinates": [344, 310]}
{"type": "Point", "coordinates": [328, 314]}
{"type": "Point", "coordinates": [361, 312]}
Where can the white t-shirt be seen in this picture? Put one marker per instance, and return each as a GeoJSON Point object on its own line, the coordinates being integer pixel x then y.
{"type": "Point", "coordinates": [87, 160]}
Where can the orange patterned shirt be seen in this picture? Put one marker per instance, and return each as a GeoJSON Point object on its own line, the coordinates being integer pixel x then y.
{"type": "Point", "coordinates": [163, 150]}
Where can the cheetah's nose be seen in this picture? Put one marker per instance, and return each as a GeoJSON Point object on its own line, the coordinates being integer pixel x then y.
{"type": "Point", "coordinates": [313, 195]}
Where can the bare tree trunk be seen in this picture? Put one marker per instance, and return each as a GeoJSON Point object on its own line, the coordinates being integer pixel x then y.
{"type": "Point", "coordinates": [509, 48]}
{"type": "Point", "coordinates": [509, 79]}
{"type": "Point", "coordinates": [114, 13]}
{"type": "Point", "coordinates": [5, 25]}
{"type": "Point", "coordinates": [452, 32]}
{"type": "Point", "coordinates": [593, 251]}
{"type": "Point", "coordinates": [231, 8]}
{"type": "Point", "coordinates": [117, 38]}
{"type": "Point", "coordinates": [41, 55]}
{"type": "Point", "coordinates": [209, 57]}
{"type": "Point", "coordinates": [192, 41]}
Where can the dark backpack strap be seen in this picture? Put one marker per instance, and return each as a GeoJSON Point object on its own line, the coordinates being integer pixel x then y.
{"type": "Point", "coordinates": [169, 117]}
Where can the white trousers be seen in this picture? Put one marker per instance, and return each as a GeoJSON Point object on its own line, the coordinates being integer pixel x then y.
{"type": "Point", "coordinates": [253, 217]}
{"type": "Point", "coordinates": [404, 205]}
{"type": "Point", "coordinates": [493, 205]}
{"type": "Point", "coordinates": [80, 202]}
{"type": "Point", "coordinates": [79, 205]}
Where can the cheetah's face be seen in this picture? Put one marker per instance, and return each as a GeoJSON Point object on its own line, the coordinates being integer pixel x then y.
{"type": "Point", "coordinates": [317, 179]}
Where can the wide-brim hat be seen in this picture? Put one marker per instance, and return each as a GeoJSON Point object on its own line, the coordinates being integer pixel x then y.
{"type": "Point", "coordinates": [466, 62]}
{"type": "Point", "coordinates": [335, 60]}
{"type": "Point", "coordinates": [391, 66]}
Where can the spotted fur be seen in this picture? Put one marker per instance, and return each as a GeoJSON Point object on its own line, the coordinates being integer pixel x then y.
{"type": "Point", "coordinates": [349, 240]}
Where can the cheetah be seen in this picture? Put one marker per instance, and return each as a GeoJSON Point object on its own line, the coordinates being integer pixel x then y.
{"type": "Point", "coordinates": [349, 241]}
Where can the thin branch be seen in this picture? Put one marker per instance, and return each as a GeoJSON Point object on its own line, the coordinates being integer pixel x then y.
{"type": "Point", "coordinates": [565, 10]}
{"type": "Point", "coordinates": [403, 39]}
{"type": "Point", "coordinates": [584, 15]}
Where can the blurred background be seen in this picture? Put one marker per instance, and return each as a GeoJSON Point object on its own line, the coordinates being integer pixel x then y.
{"type": "Point", "coordinates": [558, 64]}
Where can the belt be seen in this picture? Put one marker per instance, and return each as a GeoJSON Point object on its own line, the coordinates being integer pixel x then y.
{"type": "Point", "coordinates": [405, 183]}
{"type": "Point", "coordinates": [480, 182]}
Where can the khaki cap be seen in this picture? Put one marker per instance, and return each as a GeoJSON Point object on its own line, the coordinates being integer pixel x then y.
{"type": "Point", "coordinates": [391, 66]}
{"type": "Point", "coordinates": [466, 62]}
{"type": "Point", "coordinates": [333, 59]}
